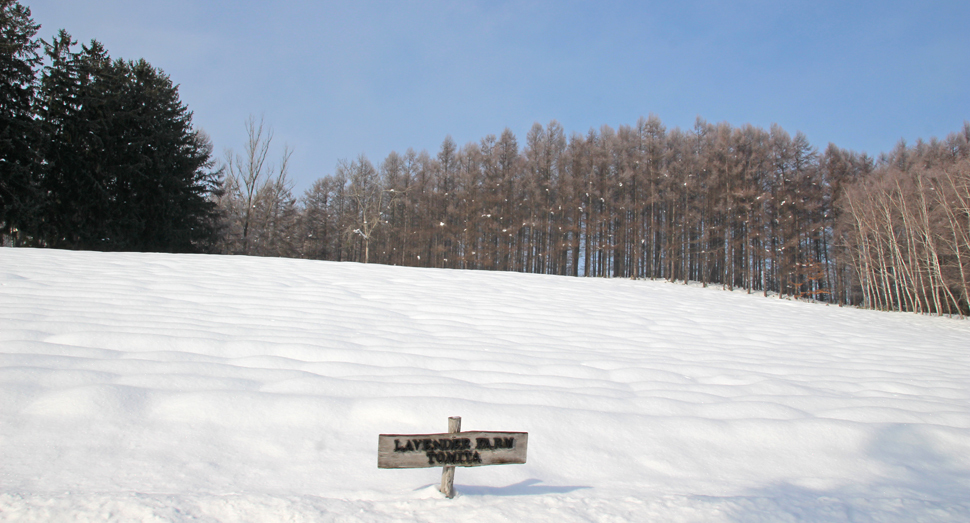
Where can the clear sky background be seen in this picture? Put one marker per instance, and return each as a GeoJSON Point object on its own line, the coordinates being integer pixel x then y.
{"type": "Point", "coordinates": [336, 79]}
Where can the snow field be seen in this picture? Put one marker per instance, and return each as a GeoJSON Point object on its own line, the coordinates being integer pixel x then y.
{"type": "Point", "coordinates": [205, 388]}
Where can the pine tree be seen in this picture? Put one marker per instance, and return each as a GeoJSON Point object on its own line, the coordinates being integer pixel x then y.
{"type": "Point", "coordinates": [162, 170]}
{"type": "Point", "coordinates": [19, 191]}
{"type": "Point", "coordinates": [124, 170]}
{"type": "Point", "coordinates": [58, 108]}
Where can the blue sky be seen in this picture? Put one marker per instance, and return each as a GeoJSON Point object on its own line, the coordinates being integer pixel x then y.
{"type": "Point", "coordinates": [336, 79]}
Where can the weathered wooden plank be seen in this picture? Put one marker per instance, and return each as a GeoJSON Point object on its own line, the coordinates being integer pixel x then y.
{"type": "Point", "coordinates": [462, 449]}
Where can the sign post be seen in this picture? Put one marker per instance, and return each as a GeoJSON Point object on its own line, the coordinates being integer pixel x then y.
{"type": "Point", "coordinates": [450, 450]}
{"type": "Point", "coordinates": [448, 472]}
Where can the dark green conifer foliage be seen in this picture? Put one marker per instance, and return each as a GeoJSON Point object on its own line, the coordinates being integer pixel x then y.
{"type": "Point", "coordinates": [124, 168]}
{"type": "Point", "coordinates": [19, 194]}
{"type": "Point", "coordinates": [71, 191]}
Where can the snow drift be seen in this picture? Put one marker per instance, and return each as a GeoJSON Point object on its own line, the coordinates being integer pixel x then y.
{"type": "Point", "coordinates": [212, 388]}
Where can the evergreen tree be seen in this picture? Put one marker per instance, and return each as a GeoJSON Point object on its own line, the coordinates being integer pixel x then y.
{"type": "Point", "coordinates": [19, 194]}
{"type": "Point", "coordinates": [124, 170]}
{"type": "Point", "coordinates": [74, 195]}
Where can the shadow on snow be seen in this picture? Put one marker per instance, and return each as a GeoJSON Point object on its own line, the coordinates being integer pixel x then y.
{"type": "Point", "coordinates": [529, 487]}
{"type": "Point", "coordinates": [922, 479]}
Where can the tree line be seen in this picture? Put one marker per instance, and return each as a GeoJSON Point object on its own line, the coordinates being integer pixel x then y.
{"type": "Point", "coordinates": [97, 153]}
{"type": "Point", "coordinates": [740, 207]}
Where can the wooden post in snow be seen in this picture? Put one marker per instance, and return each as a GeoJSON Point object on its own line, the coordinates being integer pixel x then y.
{"type": "Point", "coordinates": [448, 472]}
{"type": "Point", "coordinates": [450, 450]}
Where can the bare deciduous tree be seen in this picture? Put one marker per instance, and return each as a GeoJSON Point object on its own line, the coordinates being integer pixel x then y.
{"type": "Point", "coordinates": [740, 207]}
{"type": "Point", "coordinates": [257, 199]}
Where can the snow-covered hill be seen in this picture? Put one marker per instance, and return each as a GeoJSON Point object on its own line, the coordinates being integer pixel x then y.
{"type": "Point", "coordinates": [149, 387]}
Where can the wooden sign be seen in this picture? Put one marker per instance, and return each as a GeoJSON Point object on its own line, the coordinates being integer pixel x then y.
{"type": "Point", "coordinates": [450, 450]}
{"type": "Point", "coordinates": [461, 449]}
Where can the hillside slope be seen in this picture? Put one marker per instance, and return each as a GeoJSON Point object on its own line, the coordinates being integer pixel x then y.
{"type": "Point", "coordinates": [158, 387]}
